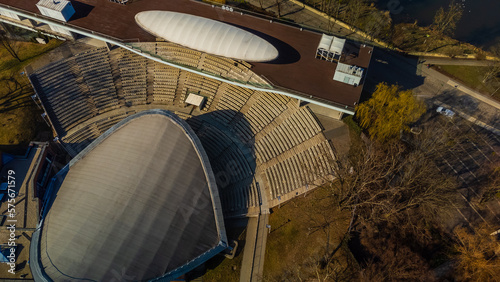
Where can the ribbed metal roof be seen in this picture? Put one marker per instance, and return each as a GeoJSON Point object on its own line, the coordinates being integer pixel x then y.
{"type": "Point", "coordinates": [139, 202]}
{"type": "Point", "coordinates": [56, 5]}
{"type": "Point", "coordinates": [207, 35]}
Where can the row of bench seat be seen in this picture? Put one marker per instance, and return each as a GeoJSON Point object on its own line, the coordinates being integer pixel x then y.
{"type": "Point", "coordinates": [240, 130]}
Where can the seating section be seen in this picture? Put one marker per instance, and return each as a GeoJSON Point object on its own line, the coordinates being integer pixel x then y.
{"type": "Point", "coordinates": [200, 85]}
{"type": "Point", "coordinates": [178, 54]}
{"type": "Point", "coordinates": [240, 196]}
{"type": "Point", "coordinates": [259, 143]}
{"type": "Point", "coordinates": [224, 67]}
{"type": "Point", "coordinates": [233, 166]}
{"type": "Point", "coordinates": [266, 108]}
{"type": "Point", "coordinates": [165, 83]}
{"type": "Point", "coordinates": [82, 138]}
{"type": "Point", "coordinates": [133, 73]}
{"type": "Point", "coordinates": [299, 170]}
{"type": "Point", "coordinates": [96, 72]}
{"type": "Point", "coordinates": [232, 100]}
{"type": "Point", "coordinates": [63, 94]}
{"type": "Point", "coordinates": [294, 130]}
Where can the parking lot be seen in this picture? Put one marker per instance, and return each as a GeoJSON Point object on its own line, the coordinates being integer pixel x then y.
{"type": "Point", "coordinates": [467, 152]}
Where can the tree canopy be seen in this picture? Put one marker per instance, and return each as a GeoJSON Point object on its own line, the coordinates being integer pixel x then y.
{"type": "Point", "coordinates": [477, 254]}
{"type": "Point", "coordinates": [389, 111]}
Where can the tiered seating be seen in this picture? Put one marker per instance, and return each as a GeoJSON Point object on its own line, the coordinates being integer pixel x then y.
{"type": "Point", "coordinates": [214, 140]}
{"type": "Point", "coordinates": [80, 139]}
{"type": "Point", "coordinates": [106, 123]}
{"type": "Point", "coordinates": [178, 54]}
{"type": "Point", "coordinates": [218, 65]}
{"type": "Point", "coordinates": [300, 169]}
{"type": "Point", "coordinates": [241, 129]}
{"type": "Point", "coordinates": [267, 107]}
{"type": "Point", "coordinates": [231, 155]}
{"type": "Point", "coordinates": [200, 85]}
{"type": "Point", "coordinates": [133, 70]}
{"type": "Point", "coordinates": [96, 72]}
{"type": "Point", "coordinates": [165, 83]}
{"type": "Point", "coordinates": [232, 100]}
{"type": "Point", "coordinates": [240, 196]}
{"type": "Point", "coordinates": [294, 130]}
{"type": "Point", "coordinates": [62, 95]}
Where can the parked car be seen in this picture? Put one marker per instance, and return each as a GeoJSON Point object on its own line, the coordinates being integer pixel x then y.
{"type": "Point", "coordinates": [445, 112]}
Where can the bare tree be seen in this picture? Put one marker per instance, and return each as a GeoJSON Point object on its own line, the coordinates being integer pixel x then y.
{"type": "Point", "coordinates": [445, 21]}
{"type": "Point", "coordinates": [394, 182]}
{"type": "Point", "coordinates": [355, 9]}
{"type": "Point", "coordinates": [391, 257]}
{"type": "Point", "coordinates": [477, 254]}
{"type": "Point", "coordinates": [493, 70]}
{"type": "Point", "coordinates": [261, 4]}
{"type": "Point", "coordinates": [9, 45]}
{"type": "Point", "coordinates": [278, 6]}
{"type": "Point", "coordinates": [332, 9]}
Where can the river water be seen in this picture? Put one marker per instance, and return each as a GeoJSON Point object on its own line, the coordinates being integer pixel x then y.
{"type": "Point", "coordinates": [480, 23]}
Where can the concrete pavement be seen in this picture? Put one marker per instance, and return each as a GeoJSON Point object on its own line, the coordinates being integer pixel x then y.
{"type": "Point", "coordinates": [430, 84]}
{"type": "Point", "coordinates": [252, 266]}
{"type": "Point", "coordinates": [455, 62]}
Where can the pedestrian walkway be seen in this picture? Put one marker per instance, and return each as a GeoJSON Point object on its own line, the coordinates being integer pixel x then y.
{"type": "Point", "coordinates": [445, 79]}
{"type": "Point", "coordinates": [252, 266]}
{"type": "Point", "coordinates": [455, 62]}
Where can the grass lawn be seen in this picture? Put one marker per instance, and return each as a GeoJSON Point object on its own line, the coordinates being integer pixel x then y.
{"type": "Point", "coordinates": [300, 237]}
{"type": "Point", "coordinates": [472, 76]}
{"type": "Point", "coordinates": [20, 120]}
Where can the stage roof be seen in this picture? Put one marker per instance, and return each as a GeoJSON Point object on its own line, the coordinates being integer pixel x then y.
{"type": "Point", "coordinates": [206, 35]}
{"type": "Point", "coordinates": [140, 200]}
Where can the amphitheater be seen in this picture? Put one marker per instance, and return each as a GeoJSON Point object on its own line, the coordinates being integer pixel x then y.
{"type": "Point", "coordinates": [264, 148]}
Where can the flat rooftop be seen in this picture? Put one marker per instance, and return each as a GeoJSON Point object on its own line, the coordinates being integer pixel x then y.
{"type": "Point", "coordinates": [296, 68]}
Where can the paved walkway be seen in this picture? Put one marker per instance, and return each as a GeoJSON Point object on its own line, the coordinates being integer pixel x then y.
{"type": "Point", "coordinates": [429, 72]}
{"type": "Point", "coordinates": [252, 266]}
{"type": "Point", "coordinates": [455, 62]}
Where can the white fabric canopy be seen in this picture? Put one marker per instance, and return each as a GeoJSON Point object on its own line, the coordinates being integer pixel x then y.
{"type": "Point", "coordinates": [207, 35]}
{"type": "Point", "coordinates": [337, 45]}
{"type": "Point", "coordinates": [325, 42]}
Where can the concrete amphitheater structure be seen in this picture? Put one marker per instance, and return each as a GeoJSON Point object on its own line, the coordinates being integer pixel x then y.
{"type": "Point", "coordinates": [140, 201]}
{"type": "Point", "coordinates": [264, 147]}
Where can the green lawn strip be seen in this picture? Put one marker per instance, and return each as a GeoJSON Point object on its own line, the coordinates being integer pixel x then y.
{"type": "Point", "coordinates": [472, 77]}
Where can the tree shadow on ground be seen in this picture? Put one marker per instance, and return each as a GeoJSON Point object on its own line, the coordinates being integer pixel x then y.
{"type": "Point", "coordinates": [392, 68]}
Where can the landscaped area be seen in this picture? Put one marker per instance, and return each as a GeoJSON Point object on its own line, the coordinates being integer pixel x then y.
{"type": "Point", "coordinates": [306, 233]}
{"type": "Point", "coordinates": [472, 76]}
{"type": "Point", "coordinates": [20, 119]}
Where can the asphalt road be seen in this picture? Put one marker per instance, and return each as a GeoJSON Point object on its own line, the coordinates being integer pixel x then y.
{"type": "Point", "coordinates": [428, 84]}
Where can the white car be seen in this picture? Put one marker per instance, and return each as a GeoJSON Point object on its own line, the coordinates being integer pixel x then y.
{"type": "Point", "coordinates": [444, 111]}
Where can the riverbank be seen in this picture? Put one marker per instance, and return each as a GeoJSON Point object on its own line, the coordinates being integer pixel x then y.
{"type": "Point", "coordinates": [407, 38]}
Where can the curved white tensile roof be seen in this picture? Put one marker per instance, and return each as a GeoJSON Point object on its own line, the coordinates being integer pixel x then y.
{"type": "Point", "coordinates": [207, 35]}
